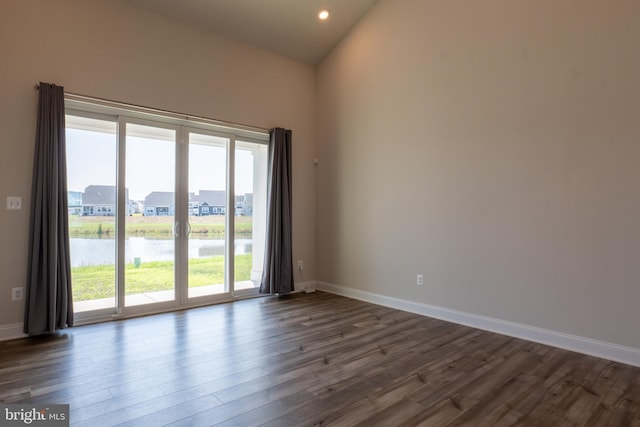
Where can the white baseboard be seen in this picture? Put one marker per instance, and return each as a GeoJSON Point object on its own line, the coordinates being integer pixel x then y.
{"type": "Point", "coordinates": [605, 350]}
{"type": "Point", "coordinates": [10, 332]}
{"type": "Point", "coordinates": [304, 287]}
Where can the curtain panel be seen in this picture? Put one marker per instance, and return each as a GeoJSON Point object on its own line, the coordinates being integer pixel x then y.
{"type": "Point", "coordinates": [49, 303]}
{"type": "Point", "coordinates": [277, 276]}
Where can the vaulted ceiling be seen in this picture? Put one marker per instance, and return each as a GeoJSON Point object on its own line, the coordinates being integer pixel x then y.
{"type": "Point", "coordinates": [287, 27]}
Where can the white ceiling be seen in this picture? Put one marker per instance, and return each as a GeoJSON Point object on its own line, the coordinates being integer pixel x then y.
{"type": "Point", "coordinates": [288, 27]}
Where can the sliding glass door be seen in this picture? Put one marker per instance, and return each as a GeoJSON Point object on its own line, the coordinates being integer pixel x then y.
{"type": "Point", "coordinates": [162, 215]}
{"type": "Point", "coordinates": [92, 145]}
{"type": "Point", "coordinates": [207, 206]}
{"type": "Point", "coordinates": [149, 214]}
{"type": "Point", "coordinates": [250, 187]}
{"type": "Point", "coordinates": [220, 262]}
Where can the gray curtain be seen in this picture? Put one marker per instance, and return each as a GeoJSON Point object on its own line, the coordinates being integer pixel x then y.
{"type": "Point", "coordinates": [49, 305]}
{"type": "Point", "coordinates": [277, 276]}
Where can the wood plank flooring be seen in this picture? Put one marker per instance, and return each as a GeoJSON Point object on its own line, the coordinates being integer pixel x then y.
{"type": "Point", "coordinates": [312, 360]}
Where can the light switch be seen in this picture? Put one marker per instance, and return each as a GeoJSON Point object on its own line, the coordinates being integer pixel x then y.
{"type": "Point", "coordinates": [14, 203]}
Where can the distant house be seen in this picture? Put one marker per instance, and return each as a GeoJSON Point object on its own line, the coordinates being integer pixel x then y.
{"type": "Point", "coordinates": [74, 202]}
{"type": "Point", "coordinates": [160, 203]}
{"type": "Point", "coordinates": [100, 200]}
{"type": "Point", "coordinates": [194, 205]}
{"type": "Point", "coordinates": [248, 204]}
{"type": "Point", "coordinates": [135, 207]}
{"type": "Point", "coordinates": [212, 202]}
{"type": "Point", "coordinates": [244, 204]}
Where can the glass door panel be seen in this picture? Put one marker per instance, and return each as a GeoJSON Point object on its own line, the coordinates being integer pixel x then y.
{"type": "Point", "coordinates": [250, 214]}
{"type": "Point", "coordinates": [207, 198]}
{"type": "Point", "coordinates": [91, 182]}
{"type": "Point", "coordinates": [150, 225]}
{"type": "Point", "coordinates": [161, 214]}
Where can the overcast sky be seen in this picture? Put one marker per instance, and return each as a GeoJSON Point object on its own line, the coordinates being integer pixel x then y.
{"type": "Point", "coordinates": [91, 160]}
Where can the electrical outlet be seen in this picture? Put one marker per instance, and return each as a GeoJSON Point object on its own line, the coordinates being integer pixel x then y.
{"type": "Point", "coordinates": [14, 203]}
{"type": "Point", "coordinates": [300, 265]}
{"type": "Point", "coordinates": [419, 279]}
{"type": "Point", "coordinates": [17, 294]}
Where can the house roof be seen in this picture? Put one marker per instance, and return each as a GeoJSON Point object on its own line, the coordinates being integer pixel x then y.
{"type": "Point", "coordinates": [99, 195]}
{"type": "Point", "coordinates": [160, 198]}
{"type": "Point", "coordinates": [212, 197]}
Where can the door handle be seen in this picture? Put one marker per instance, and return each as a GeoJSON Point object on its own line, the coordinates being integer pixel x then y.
{"type": "Point", "coordinates": [187, 228]}
{"type": "Point", "coordinates": [176, 229]}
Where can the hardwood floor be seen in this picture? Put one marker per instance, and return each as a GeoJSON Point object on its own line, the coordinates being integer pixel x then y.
{"type": "Point", "coordinates": [312, 359]}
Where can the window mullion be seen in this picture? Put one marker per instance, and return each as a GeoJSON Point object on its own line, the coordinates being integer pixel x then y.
{"type": "Point", "coordinates": [121, 207]}
{"type": "Point", "coordinates": [182, 215]}
{"type": "Point", "coordinates": [230, 218]}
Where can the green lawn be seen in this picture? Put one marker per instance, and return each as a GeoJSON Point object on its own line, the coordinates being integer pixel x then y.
{"type": "Point", "coordinates": [141, 226]}
{"type": "Point", "coordinates": [95, 282]}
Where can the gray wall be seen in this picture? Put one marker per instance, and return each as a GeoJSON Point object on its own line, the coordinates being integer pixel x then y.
{"type": "Point", "coordinates": [110, 49]}
{"type": "Point", "coordinates": [493, 146]}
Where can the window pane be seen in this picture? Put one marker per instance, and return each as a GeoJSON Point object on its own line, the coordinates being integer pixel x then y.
{"type": "Point", "coordinates": [250, 207]}
{"type": "Point", "coordinates": [91, 182]}
{"type": "Point", "coordinates": [150, 200]}
{"type": "Point", "coordinates": [207, 209]}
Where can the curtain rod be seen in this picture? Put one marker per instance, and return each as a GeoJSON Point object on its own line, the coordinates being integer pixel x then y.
{"type": "Point", "coordinates": [108, 102]}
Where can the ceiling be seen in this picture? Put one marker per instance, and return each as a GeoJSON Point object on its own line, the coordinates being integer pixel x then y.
{"type": "Point", "coordinates": [287, 27]}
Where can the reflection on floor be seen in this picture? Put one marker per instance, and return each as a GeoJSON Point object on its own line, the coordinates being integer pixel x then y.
{"type": "Point", "coordinates": [159, 296]}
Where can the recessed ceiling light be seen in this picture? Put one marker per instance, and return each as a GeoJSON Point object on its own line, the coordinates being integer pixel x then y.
{"type": "Point", "coordinates": [323, 15]}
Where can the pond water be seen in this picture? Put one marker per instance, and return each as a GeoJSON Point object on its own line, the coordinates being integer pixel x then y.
{"type": "Point", "coordinates": [85, 252]}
